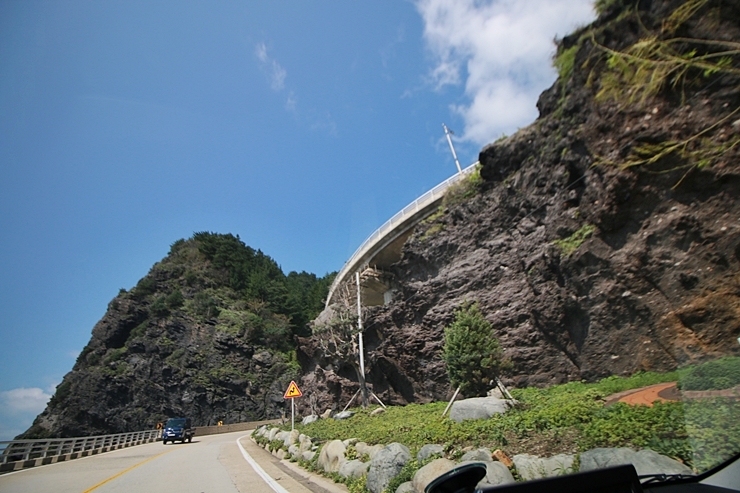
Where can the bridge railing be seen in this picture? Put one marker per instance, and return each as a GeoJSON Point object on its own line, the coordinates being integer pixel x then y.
{"type": "Point", "coordinates": [18, 454]}
{"type": "Point", "coordinates": [410, 210]}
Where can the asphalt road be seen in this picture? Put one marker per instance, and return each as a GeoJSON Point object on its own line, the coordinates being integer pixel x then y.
{"type": "Point", "coordinates": [210, 464]}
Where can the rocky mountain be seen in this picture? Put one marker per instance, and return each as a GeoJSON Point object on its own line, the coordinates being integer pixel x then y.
{"type": "Point", "coordinates": [206, 333]}
{"type": "Point", "coordinates": [602, 239]}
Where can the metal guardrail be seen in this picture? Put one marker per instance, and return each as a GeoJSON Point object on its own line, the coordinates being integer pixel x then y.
{"type": "Point", "coordinates": [410, 210]}
{"type": "Point", "coordinates": [19, 454]}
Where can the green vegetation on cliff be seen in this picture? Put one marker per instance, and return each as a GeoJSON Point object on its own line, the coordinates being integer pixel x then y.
{"type": "Point", "coordinates": [209, 333]}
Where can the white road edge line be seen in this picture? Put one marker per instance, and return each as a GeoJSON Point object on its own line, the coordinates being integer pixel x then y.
{"type": "Point", "coordinates": [266, 477]}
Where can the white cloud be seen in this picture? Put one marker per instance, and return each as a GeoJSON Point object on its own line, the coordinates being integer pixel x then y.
{"type": "Point", "coordinates": [275, 73]}
{"type": "Point", "coordinates": [18, 408]}
{"type": "Point", "coordinates": [502, 51]}
{"type": "Point", "coordinates": [23, 400]}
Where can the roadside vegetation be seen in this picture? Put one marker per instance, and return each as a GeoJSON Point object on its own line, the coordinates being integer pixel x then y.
{"type": "Point", "coordinates": [568, 418]}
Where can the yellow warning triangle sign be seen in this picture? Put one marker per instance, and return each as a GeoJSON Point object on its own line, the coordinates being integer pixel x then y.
{"type": "Point", "coordinates": [293, 391]}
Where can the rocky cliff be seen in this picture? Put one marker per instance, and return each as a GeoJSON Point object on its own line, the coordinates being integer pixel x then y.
{"type": "Point", "coordinates": [205, 334]}
{"type": "Point", "coordinates": [603, 239]}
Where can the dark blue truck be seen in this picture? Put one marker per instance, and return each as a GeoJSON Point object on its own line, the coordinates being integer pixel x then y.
{"type": "Point", "coordinates": [178, 429]}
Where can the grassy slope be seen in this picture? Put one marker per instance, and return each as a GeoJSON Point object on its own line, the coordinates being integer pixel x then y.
{"type": "Point", "coordinates": [567, 418]}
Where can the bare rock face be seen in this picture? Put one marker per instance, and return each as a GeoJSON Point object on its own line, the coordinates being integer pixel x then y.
{"type": "Point", "coordinates": [585, 267]}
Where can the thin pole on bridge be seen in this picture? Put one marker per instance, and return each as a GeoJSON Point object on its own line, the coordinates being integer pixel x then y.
{"type": "Point", "coordinates": [449, 132]}
{"type": "Point", "coordinates": [363, 388]}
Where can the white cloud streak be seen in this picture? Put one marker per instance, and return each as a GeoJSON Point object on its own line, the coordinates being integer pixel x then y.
{"type": "Point", "coordinates": [23, 401]}
{"type": "Point", "coordinates": [275, 73]}
{"type": "Point", "coordinates": [501, 50]}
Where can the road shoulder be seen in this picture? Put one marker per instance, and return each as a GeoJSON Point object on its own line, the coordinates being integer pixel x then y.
{"type": "Point", "coordinates": [288, 474]}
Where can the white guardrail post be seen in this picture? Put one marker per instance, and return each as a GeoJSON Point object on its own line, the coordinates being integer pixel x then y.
{"type": "Point", "coordinates": [424, 200]}
{"type": "Point", "coordinates": [19, 454]}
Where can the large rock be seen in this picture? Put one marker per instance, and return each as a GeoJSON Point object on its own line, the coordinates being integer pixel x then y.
{"type": "Point", "coordinates": [353, 468]}
{"type": "Point", "coordinates": [429, 450]}
{"type": "Point", "coordinates": [283, 436]}
{"type": "Point", "coordinates": [290, 438]}
{"type": "Point", "coordinates": [305, 443]}
{"type": "Point", "coordinates": [308, 455]}
{"type": "Point", "coordinates": [477, 408]}
{"type": "Point", "coordinates": [311, 418]}
{"type": "Point", "coordinates": [386, 465]}
{"type": "Point", "coordinates": [532, 467]}
{"type": "Point", "coordinates": [273, 434]}
{"type": "Point", "coordinates": [332, 456]}
{"type": "Point", "coordinates": [407, 487]}
{"type": "Point", "coordinates": [478, 455]}
{"type": "Point", "coordinates": [645, 461]}
{"type": "Point", "coordinates": [430, 472]}
{"type": "Point", "coordinates": [363, 449]}
{"type": "Point", "coordinates": [496, 474]}
{"type": "Point", "coordinates": [344, 415]}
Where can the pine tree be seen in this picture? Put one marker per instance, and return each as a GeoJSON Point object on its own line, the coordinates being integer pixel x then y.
{"type": "Point", "coordinates": [473, 356]}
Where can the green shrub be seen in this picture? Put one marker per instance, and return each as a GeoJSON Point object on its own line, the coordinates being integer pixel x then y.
{"type": "Point", "coordinates": [174, 300]}
{"type": "Point", "coordinates": [564, 63]}
{"type": "Point", "coordinates": [139, 330]}
{"type": "Point", "coordinates": [145, 287]}
{"type": "Point", "coordinates": [464, 189]}
{"type": "Point", "coordinates": [61, 392]}
{"type": "Point", "coordinates": [159, 308]}
{"type": "Point", "coordinates": [722, 373]}
{"type": "Point", "coordinates": [115, 354]}
{"type": "Point", "coordinates": [472, 354]}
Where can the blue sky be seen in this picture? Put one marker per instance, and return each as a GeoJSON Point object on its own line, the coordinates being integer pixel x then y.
{"type": "Point", "coordinates": [299, 126]}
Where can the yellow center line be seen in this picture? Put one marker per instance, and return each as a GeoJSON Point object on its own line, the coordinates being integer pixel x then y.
{"type": "Point", "coordinates": [125, 471]}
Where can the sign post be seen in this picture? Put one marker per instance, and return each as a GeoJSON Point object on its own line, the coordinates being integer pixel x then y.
{"type": "Point", "coordinates": [292, 392]}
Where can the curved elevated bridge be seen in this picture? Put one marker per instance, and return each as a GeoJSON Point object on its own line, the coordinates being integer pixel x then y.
{"type": "Point", "coordinates": [383, 248]}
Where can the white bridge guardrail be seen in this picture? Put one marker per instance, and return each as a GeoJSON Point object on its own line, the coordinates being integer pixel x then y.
{"type": "Point", "coordinates": [412, 209]}
{"type": "Point", "coordinates": [19, 454]}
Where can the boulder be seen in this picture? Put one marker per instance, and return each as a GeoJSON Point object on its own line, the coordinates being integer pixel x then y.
{"type": "Point", "coordinates": [496, 474]}
{"type": "Point", "coordinates": [386, 465]}
{"type": "Point", "coordinates": [326, 414]}
{"type": "Point", "coordinates": [532, 467]}
{"type": "Point", "coordinates": [349, 441]}
{"type": "Point", "coordinates": [375, 412]}
{"type": "Point", "coordinates": [406, 487]}
{"type": "Point", "coordinates": [429, 450]}
{"type": "Point", "coordinates": [430, 472]}
{"type": "Point", "coordinates": [311, 418]}
{"type": "Point", "coordinates": [479, 455]}
{"type": "Point", "coordinates": [273, 433]}
{"type": "Point", "coordinates": [353, 468]}
{"type": "Point", "coordinates": [291, 437]}
{"type": "Point", "coordinates": [344, 415]}
{"type": "Point", "coordinates": [308, 455]}
{"type": "Point", "coordinates": [305, 443]}
{"type": "Point", "coordinates": [280, 454]}
{"type": "Point", "coordinates": [363, 448]}
{"type": "Point", "coordinates": [294, 451]}
{"type": "Point", "coordinates": [332, 456]}
{"type": "Point", "coordinates": [283, 436]}
{"type": "Point", "coordinates": [478, 408]}
{"type": "Point", "coordinates": [645, 461]}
